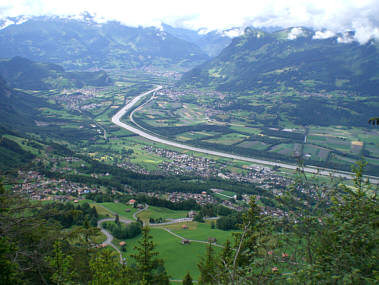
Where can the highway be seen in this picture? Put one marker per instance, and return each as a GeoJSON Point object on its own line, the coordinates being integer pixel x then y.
{"type": "Point", "coordinates": [116, 119]}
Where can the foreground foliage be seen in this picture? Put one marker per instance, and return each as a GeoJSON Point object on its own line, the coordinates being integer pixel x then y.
{"type": "Point", "coordinates": [330, 239]}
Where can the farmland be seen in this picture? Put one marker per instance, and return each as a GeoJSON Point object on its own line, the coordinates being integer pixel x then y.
{"type": "Point", "coordinates": [169, 246]}
{"type": "Point", "coordinates": [246, 125]}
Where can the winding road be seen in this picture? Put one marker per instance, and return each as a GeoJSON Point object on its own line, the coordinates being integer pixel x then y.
{"type": "Point", "coordinates": [116, 119]}
{"type": "Point", "coordinates": [109, 236]}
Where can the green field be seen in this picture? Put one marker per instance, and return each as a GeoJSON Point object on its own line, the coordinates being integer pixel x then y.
{"type": "Point", "coordinates": [170, 248]}
{"type": "Point", "coordinates": [120, 209]}
{"type": "Point", "coordinates": [168, 245]}
{"type": "Point", "coordinates": [201, 231]}
{"type": "Point", "coordinates": [228, 139]}
{"type": "Point", "coordinates": [158, 212]}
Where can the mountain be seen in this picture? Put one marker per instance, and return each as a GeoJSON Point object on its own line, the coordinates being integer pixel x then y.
{"type": "Point", "coordinates": [295, 58]}
{"type": "Point", "coordinates": [212, 43]}
{"type": "Point", "coordinates": [85, 44]}
{"type": "Point", "coordinates": [25, 74]}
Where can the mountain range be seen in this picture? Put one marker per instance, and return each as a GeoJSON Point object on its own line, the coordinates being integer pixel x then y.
{"type": "Point", "coordinates": [85, 44]}
{"type": "Point", "coordinates": [25, 74]}
{"type": "Point", "coordinates": [295, 58]}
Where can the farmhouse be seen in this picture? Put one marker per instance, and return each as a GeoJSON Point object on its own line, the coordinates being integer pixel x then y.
{"type": "Point", "coordinates": [131, 202]}
{"type": "Point", "coordinates": [185, 241]}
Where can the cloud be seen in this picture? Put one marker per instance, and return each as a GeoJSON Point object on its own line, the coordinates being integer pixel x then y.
{"type": "Point", "coordinates": [364, 31]}
{"type": "Point", "coordinates": [345, 38]}
{"type": "Point", "coordinates": [294, 33]}
{"type": "Point", "coordinates": [321, 35]}
{"type": "Point", "coordinates": [335, 16]}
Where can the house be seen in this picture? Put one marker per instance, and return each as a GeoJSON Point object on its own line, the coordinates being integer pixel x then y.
{"type": "Point", "coordinates": [212, 239]}
{"type": "Point", "coordinates": [131, 202]}
{"type": "Point", "coordinates": [140, 206]}
{"type": "Point", "coordinates": [122, 243]}
{"type": "Point", "coordinates": [191, 214]}
{"type": "Point", "coordinates": [184, 227]}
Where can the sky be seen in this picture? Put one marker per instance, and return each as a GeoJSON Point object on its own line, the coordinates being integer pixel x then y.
{"type": "Point", "coordinates": [325, 16]}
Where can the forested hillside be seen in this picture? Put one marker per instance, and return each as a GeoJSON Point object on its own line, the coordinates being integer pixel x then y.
{"type": "Point", "coordinates": [279, 61]}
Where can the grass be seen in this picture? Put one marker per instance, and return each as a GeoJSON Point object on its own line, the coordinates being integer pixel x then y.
{"type": "Point", "coordinates": [228, 139]}
{"type": "Point", "coordinates": [158, 212]}
{"type": "Point", "coordinates": [120, 209]}
{"type": "Point", "coordinates": [101, 211]}
{"type": "Point", "coordinates": [286, 149]}
{"type": "Point", "coordinates": [201, 231]}
{"type": "Point", "coordinates": [254, 145]}
{"type": "Point", "coordinates": [316, 152]}
{"type": "Point", "coordinates": [179, 259]}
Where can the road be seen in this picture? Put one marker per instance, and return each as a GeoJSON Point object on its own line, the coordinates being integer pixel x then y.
{"type": "Point", "coordinates": [191, 240]}
{"type": "Point", "coordinates": [116, 119]}
{"type": "Point", "coordinates": [109, 236]}
{"type": "Point", "coordinates": [139, 211]}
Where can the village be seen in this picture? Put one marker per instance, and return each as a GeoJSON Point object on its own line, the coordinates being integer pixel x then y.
{"type": "Point", "coordinates": [184, 164]}
{"type": "Point", "coordinates": [72, 99]}
{"type": "Point", "coordinates": [39, 187]}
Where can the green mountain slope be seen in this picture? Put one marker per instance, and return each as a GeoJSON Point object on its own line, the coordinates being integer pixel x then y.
{"type": "Point", "coordinates": [78, 44]}
{"type": "Point", "coordinates": [272, 61]}
{"type": "Point", "coordinates": [211, 42]}
{"type": "Point", "coordinates": [25, 74]}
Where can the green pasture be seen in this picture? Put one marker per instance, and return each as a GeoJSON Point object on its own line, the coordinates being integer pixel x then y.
{"type": "Point", "coordinates": [373, 149]}
{"type": "Point", "coordinates": [316, 152]}
{"type": "Point", "coordinates": [23, 143]}
{"type": "Point", "coordinates": [286, 149]}
{"type": "Point", "coordinates": [201, 231]}
{"type": "Point", "coordinates": [254, 145]}
{"type": "Point", "coordinates": [159, 212]}
{"type": "Point", "coordinates": [195, 135]}
{"type": "Point", "coordinates": [179, 259]}
{"type": "Point", "coordinates": [120, 209]}
{"type": "Point", "coordinates": [228, 139]}
{"type": "Point", "coordinates": [245, 129]}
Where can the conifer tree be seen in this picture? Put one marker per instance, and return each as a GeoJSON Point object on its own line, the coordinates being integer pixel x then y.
{"type": "Point", "coordinates": [149, 269]}
{"type": "Point", "coordinates": [62, 266]}
{"type": "Point", "coordinates": [207, 266]}
{"type": "Point", "coordinates": [106, 269]}
{"type": "Point", "coordinates": [187, 279]}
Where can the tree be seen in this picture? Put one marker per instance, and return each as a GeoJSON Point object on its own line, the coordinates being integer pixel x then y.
{"type": "Point", "coordinates": [149, 269]}
{"type": "Point", "coordinates": [8, 269]}
{"type": "Point", "coordinates": [207, 267]}
{"type": "Point", "coordinates": [187, 279]}
{"type": "Point", "coordinates": [61, 265]}
{"type": "Point", "coordinates": [107, 270]}
{"type": "Point", "coordinates": [374, 121]}
{"type": "Point", "coordinates": [26, 238]}
{"type": "Point", "coordinates": [346, 248]}
{"type": "Point", "coordinates": [199, 218]}
{"type": "Point", "coordinates": [246, 262]}
{"type": "Point", "coordinates": [117, 220]}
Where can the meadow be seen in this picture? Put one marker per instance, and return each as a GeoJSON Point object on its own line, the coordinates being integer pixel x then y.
{"type": "Point", "coordinates": [168, 245]}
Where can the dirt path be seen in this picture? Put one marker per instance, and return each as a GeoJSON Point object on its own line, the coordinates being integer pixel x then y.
{"type": "Point", "coordinates": [191, 240]}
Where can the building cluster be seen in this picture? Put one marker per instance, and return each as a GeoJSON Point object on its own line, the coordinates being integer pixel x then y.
{"type": "Point", "coordinates": [74, 98]}
{"type": "Point", "coordinates": [184, 164]}
{"type": "Point", "coordinates": [38, 187]}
